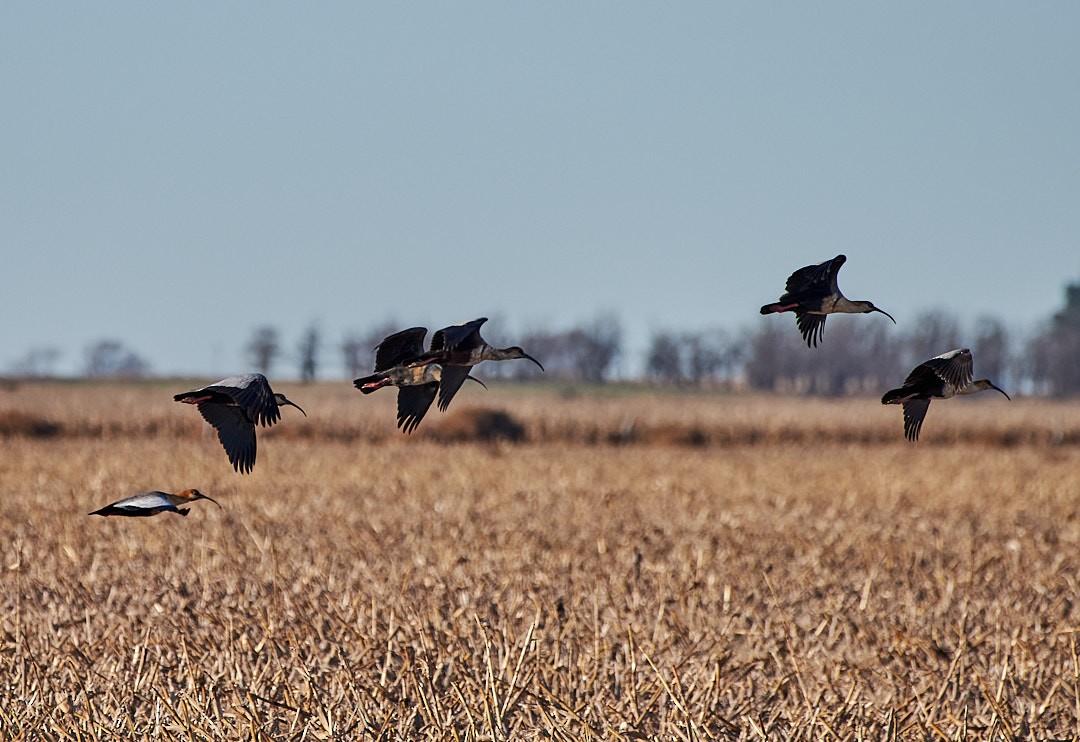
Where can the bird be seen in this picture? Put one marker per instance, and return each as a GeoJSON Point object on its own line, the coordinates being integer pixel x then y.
{"type": "Point", "coordinates": [417, 385]}
{"type": "Point", "coordinates": [234, 406]}
{"type": "Point", "coordinates": [943, 376]}
{"type": "Point", "coordinates": [459, 347]}
{"type": "Point", "coordinates": [146, 504]}
{"type": "Point", "coordinates": [812, 293]}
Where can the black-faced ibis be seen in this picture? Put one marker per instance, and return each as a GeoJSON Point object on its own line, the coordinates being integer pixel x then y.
{"type": "Point", "coordinates": [146, 504]}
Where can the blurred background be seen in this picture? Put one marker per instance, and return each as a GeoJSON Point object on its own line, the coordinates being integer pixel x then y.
{"type": "Point", "coordinates": [204, 190]}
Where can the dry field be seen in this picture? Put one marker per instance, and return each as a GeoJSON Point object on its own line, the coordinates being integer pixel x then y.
{"type": "Point", "coordinates": [634, 566]}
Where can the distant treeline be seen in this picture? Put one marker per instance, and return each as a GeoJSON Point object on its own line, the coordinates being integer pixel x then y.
{"type": "Point", "coordinates": [858, 355]}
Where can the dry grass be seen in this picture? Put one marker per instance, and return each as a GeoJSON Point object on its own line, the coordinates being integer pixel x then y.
{"type": "Point", "coordinates": [771, 575]}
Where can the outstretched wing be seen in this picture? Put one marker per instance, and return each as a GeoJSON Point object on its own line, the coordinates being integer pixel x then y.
{"type": "Point", "coordinates": [822, 275]}
{"type": "Point", "coordinates": [452, 379]}
{"type": "Point", "coordinates": [235, 431]}
{"type": "Point", "coordinates": [252, 394]}
{"type": "Point", "coordinates": [413, 403]}
{"type": "Point", "coordinates": [954, 367]}
{"type": "Point", "coordinates": [458, 337]}
{"type": "Point", "coordinates": [914, 412]}
{"type": "Point", "coordinates": [812, 327]}
{"type": "Point", "coordinates": [399, 348]}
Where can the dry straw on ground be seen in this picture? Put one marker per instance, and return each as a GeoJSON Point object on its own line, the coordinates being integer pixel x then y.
{"type": "Point", "coordinates": [676, 567]}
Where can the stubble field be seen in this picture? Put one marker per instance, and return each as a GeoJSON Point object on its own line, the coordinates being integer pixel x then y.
{"type": "Point", "coordinates": [632, 566]}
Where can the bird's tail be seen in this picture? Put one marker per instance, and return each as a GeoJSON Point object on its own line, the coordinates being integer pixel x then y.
{"type": "Point", "coordinates": [895, 396]}
{"type": "Point", "coordinates": [368, 384]}
{"type": "Point", "coordinates": [183, 511]}
{"type": "Point", "coordinates": [777, 306]}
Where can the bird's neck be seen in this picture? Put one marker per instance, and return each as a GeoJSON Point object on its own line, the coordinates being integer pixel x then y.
{"type": "Point", "coordinates": [974, 387]}
{"type": "Point", "coordinates": [843, 304]}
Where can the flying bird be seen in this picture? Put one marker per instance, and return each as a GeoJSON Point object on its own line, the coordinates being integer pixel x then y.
{"type": "Point", "coordinates": [812, 293]}
{"type": "Point", "coordinates": [146, 504]}
{"type": "Point", "coordinates": [457, 349]}
{"type": "Point", "coordinates": [943, 376]}
{"type": "Point", "coordinates": [417, 385]}
{"type": "Point", "coordinates": [234, 406]}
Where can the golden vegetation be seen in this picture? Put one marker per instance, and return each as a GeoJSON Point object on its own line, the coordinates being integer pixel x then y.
{"type": "Point", "coordinates": [746, 568]}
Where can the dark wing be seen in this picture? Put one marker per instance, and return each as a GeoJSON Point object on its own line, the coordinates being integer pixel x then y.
{"type": "Point", "coordinates": [252, 393]}
{"type": "Point", "coordinates": [914, 412]}
{"type": "Point", "coordinates": [812, 327]}
{"type": "Point", "coordinates": [954, 367]}
{"type": "Point", "coordinates": [458, 337]}
{"type": "Point", "coordinates": [235, 431]}
{"type": "Point", "coordinates": [923, 380]}
{"type": "Point", "coordinates": [126, 511]}
{"type": "Point", "coordinates": [452, 379]}
{"type": "Point", "coordinates": [399, 348]}
{"type": "Point", "coordinates": [822, 275]}
{"type": "Point", "coordinates": [413, 403]}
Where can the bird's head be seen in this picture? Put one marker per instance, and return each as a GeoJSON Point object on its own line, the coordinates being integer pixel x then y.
{"type": "Point", "coordinates": [515, 351]}
{"type": "Point", "coordinates": [868, 306]}
{"type": "Point", "coordinates": [282, 401]}
{"type": "Point", "coordinates": [190, 495]}
{"type": "Point", "coordinates": [983, 384]}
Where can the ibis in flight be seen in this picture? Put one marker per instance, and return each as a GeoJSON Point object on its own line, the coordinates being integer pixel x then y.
{"type": "Point", "coordinates": [233, 406]}
{"type": "Point", "coordinates": [146, 504]}
{"type": "Point", "coordinates": [457, 349]}
{"type": "Point", "coordinates": [943, 376]}
{"type": "Point", "coordinates": [417, 385]}
{"type": "Point", "coordinates": [812, 293]}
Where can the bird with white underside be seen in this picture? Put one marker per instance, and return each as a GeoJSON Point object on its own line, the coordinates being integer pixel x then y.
{"type": "Point", "coordinates": [146, 504]}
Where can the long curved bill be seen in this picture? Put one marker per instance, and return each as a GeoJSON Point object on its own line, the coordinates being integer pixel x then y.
{"type": "Point", "coordinates": [207, 497]}
{"type": "Point", "coordinates": [290, 402]}
{"type": "Point", "coordinates": [526, 355]}
{"type": "Point", "coordinates": [886, 314]}
{"type": "Point", "coordinates": [1002, 391]}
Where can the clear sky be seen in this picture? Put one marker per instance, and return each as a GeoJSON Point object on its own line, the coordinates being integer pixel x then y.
{"type": "Point", "coordinates": [174, 175]}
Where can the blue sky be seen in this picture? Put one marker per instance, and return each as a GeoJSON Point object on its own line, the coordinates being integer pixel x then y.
{"type": "Point", "coordinates": [176, 175]}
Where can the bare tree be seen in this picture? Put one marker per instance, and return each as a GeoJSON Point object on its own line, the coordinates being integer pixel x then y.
{"type": "Point", "coordinates": [358, 349]}
{"type": "Point", "coordinates": [855, 357]}
{"type": "Point", "coordinates": [712, 355]}
{"type": "Point", "coordinates": [664, 361]}
{"type": "Point", "coordinates": [584, 353]}
{"type": "Point", "coordinates": [309, 352]}
{"type": "Point", "coordinates": [991, 349]}
{"type": "Point", "coordinates": [1055, 350]}
{"type": "Point", "coordinates": [38, 362]}
{"type": "Point", "coordinates": [934, 333]}
{"type": "Point", "coordinates": [264, 348]}
{"type": "Point", "coordinates": [771, 347]}
{"type": "Point", "coordinates": [599, 344]}
{"type": "Point", "coordinates": [110, 359]}
{"type": "Point", "coordinates": [355, 352]}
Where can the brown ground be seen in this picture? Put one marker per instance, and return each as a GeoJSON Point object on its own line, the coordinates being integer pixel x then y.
{"type": "Point", "coordinates": [643, 565]}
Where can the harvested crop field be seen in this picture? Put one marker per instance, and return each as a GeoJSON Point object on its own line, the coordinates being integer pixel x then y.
{"type": "Point", "coordinates": [541, 564]}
